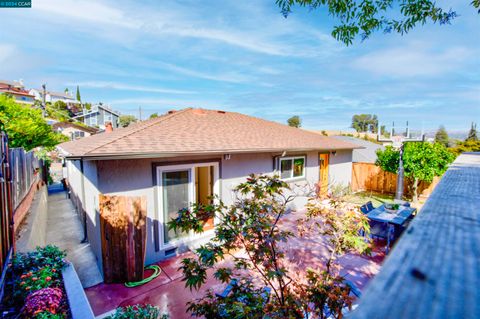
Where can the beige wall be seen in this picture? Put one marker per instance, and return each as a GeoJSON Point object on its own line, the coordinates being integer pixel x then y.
{"type": "Point", "coordinates": [136, 178]}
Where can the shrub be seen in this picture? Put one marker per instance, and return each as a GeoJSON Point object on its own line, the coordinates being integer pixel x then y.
{"type": "Point", "coordinates": [43, 300]}
{"type": "Point", "coordinates": [48, 315]}
{"type": "Point", "coordinates": [36, 280]}
{"type": "Point", "coordinates": [48, 256]}
{"type": "Point", "coordinates": [137, 312]}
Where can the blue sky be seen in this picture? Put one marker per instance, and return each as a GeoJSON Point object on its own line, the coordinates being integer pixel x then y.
{"type": "Point", "coordinates": [244, 56]}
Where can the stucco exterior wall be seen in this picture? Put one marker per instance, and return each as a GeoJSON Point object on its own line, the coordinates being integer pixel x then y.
{"type": "Point", "coordinates": [138, 178]}
{"type": "Point", "coordinates": [340, 169]}
{"type": "Point", "coordinates": [68, 131]}
{"type": "Point", "coordinates": [86, 202]}
{"type": "Point", "coordinates": [91, 208]}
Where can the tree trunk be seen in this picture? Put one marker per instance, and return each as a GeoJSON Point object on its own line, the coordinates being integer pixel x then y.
{"type": "Point", "coordinates": [415, 190]}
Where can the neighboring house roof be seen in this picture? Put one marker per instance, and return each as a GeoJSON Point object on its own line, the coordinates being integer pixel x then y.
{"type": "Point", "coordinates": [14, 88]}
{"type": "Point", "coordinates": [199, 131]}
{"type": "Point", "coordinates": [16, 92]}
{"type": "Point", "coordinates": [83, 128]}
{"type": "Point", "coordinates": [95, 110]}
{"type": "Point", "coordinates": [62, 95]}
{"type": "Point", "coordinates": [367, 154]}
{"type": "Point", "coordinates": [16, 84]}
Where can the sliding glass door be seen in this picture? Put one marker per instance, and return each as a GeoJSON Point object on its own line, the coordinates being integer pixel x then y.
{"type": "Point", "coordinates": [180, 187]}
{"type": "Point", "coordinates": [175, 188]}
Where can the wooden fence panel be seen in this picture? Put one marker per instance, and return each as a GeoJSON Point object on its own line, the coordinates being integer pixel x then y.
{"type": "Point", "coordinates": [123, 233]}
{"type": "Point", "coordinates": [369, 177]}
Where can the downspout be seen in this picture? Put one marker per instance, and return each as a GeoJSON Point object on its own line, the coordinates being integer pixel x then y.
{"type": "Point", "coordinates": [84, 212]}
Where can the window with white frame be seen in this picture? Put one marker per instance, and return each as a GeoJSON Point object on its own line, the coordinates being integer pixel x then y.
{"type": "Point", "coordinates": [292, 167]}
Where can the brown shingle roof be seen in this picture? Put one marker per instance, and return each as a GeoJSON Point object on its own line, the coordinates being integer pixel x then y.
{"type": "Point", "coordinates": [196, 131]}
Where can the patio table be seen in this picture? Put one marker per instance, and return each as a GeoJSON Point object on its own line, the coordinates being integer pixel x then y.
{"type": "Point", "coordinates": [398, 218]}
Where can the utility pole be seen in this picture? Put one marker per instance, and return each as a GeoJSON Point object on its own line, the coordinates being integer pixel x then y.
{"type": "Point", "coordinates": [401, 171]}
{"type": "Point", "coordinates": [44, 100]}
{"type": "Point", "coordinates": [139, 113]}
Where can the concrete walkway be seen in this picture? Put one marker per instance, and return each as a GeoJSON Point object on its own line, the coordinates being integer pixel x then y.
{"type": "Point", "coordinates": [64, 229]}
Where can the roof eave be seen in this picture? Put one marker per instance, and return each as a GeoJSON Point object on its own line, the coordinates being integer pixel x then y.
{"type": "Point", "coordinates": [110, 156]}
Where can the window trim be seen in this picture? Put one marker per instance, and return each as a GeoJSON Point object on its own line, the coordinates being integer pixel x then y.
{"type": "Point", "coordinates": [292, 158]}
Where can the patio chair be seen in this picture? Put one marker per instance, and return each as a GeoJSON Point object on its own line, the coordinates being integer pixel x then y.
{"type": "Point", "coordinates": [370, 206]}
{"type": "Point", "coordinates": [353, 289]}
{"type": "Point", "coordinates": [367, 207]}
{"type": "Point", "coordinates": [379, 230]}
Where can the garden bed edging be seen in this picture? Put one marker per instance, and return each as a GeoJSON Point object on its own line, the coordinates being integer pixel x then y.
{"type": "Point", "coordinates": [77, 300]}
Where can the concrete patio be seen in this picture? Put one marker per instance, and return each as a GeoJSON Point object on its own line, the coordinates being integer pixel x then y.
{"type": "Point", "coordinates": [169, 293]}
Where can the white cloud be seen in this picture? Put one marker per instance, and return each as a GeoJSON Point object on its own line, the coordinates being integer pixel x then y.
{"type": "Point", "coordinates": [412, 60]}
{"type": "Point", "coordinates": [128, 87]}
{"type": "Point", "coordinates": [7, 52]}
{"type": "Point", "coordinates": [224, 77]}
{"type": "Point", "coordinates": [173, 21]}
{"type": "Point", "coordinates": [87, 11]}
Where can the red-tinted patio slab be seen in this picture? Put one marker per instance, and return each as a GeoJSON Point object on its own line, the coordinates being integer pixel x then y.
{"type": "Point", "coordinates": [169, 293]}
{"type": "Point", "coordinates": [105, 297]}
{"type": "Point", "coordinates": [171, 265]}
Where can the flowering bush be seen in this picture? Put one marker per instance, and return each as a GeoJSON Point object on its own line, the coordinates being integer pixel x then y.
{"type": "Point", "coordinates": [137, 312]}
{"type": "Point", "coordinates": [35, 280]}
{"type": "Point", "coordinates": [43, 300]}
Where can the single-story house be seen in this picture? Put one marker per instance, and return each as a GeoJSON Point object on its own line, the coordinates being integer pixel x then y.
{"type": "Point", "coordinates": [184, 156]}
{"type": "Point", "coordinates": [74, 131]}
{"type": "Point", "coordinates": [366, 154]}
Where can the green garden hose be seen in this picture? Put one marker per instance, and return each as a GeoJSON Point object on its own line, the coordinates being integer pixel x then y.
{"type": "Point", "coordinates": [156, 272]}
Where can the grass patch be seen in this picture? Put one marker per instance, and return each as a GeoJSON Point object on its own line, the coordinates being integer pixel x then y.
{"type": "Point", "coordinates": [361, 198]}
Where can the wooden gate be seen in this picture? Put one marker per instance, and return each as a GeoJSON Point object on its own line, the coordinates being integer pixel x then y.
{"type": "Point", "coordinates": [123, 232]}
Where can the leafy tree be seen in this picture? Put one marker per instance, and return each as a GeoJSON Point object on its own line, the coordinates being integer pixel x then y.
{"type": "Point", "coordinates": [88, 106]}
{"type": "Point", "coordinates": [25, 126]}
{"type": "Point", "coordinates": [442, 136]}
{"type": "Point", "coordinates": [472, 134]}
{"type": "Point", "coordinates": [154, 115]}
{"type": "Point", "coordinates": [421, 161]}
{"type": "Point", "coordinates": [466, 146]}
{"type": "Point", "coordinates": [126, 120]}
{"type": "Point", "coordinates": [58, 111]}
{"type": "Point", "coordinates": [366, 17]}
{"type": "Point", "coordinates": [294, 121]}
{"type": "Point", "coordinates": [365, 123]}
{"type": "Point", "coordinates": [79, 98]}
{"type": "Point", "coordinates": [251, 225]}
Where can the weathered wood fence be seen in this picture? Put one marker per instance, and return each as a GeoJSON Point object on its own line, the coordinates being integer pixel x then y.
{"type": "Point", "coordinates": [124, 234]}
{"type": "Point", "coordinates": [369, 177]}
{"type": "Point", "coordinates": [20, 173]}
{"type": "Point", "coordinates": [6, 204]}
{"type": "Point", "coordinates": [25, 168]}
